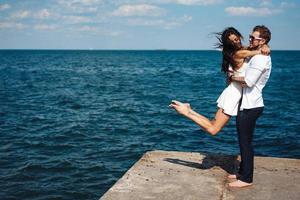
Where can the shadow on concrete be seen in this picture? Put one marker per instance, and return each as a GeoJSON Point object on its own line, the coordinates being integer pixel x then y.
{"type": "Point", "coordinates": [228, 163]}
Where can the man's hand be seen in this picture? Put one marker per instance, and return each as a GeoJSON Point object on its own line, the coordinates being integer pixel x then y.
{"type": "Point", "coordinates": [181, 108]}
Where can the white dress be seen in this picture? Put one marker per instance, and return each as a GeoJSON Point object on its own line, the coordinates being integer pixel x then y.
{"type": "Point", "coordinates": [231, 95]}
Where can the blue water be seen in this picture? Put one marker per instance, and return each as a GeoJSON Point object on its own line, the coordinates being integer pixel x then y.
{"type": "Point", "coordinates": [73, 122]}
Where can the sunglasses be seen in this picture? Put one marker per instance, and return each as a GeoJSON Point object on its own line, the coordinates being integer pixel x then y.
{"type": "Point", "coordinates": [251, 37]}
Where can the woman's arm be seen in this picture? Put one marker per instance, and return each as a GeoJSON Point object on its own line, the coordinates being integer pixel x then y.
{"type": "Point", "coordinates": [242, 54]}
{"type": "Point", "coordinates": [240, 79]}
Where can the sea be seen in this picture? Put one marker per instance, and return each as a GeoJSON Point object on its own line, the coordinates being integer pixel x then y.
{"type": "Point", "coordinates": [72, 122]}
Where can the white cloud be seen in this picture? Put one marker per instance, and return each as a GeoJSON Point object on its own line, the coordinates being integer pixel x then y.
{"type": "Point", "coordinates": [21, 14]}
{"type": "Point", "coordinates": [86, 2]}
{"type": "Point", "coordinates": [88, 28]}
{"type": "Point", "coordinates": [95, 30]}
{"type": "Point", "coordinates": [165, 24]}
{"type": "Point", "coordinates": [12, 25]}
{"type": "Point", "coordinates": [281, 5]}
{"type": "Point", "coordinates": [178, 22]}
{"type": "Point", "coordinates": [4, 6]}
{"type": "Point", "coordinates": [80, 6]}
{"type": "Point", "coordinates": [250, 11]}
{"type": "Point", "coordinates": [82, 2]}
{"type": "Point", "coordinates": [84, 9]}
{"type": "Point", "coordinates": [193, 2]}
{"type": "Point", "coordinates": [138, 10]}
{"type": "Point", "coordinates": [114, 33]}
{"type": "Point", "coordinates": [186, 18]}
{"type": "Point", "coordinates": [71, 19]}
{"type": "Point", "coordinates": [45, 27]}
{"type": "Point", "coordinates": [89, 2]}
{"type": "Point", "coordinates": [144, 22]}
{"type": "Point", "coordinates": [266, 3]}
{"type": "Point", "coordinates": [42, 14]}
{"type": "Point", "coordinates": [287, 5]}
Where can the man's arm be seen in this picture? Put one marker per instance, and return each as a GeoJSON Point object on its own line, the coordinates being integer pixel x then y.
{"type": "Point", "coordinates": [253, 72]}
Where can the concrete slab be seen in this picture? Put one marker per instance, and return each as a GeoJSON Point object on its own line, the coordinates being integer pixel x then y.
{"type": "Point", "coordinates": [171, 175]}
{"type": "Point", "coordinates": [274, 178]}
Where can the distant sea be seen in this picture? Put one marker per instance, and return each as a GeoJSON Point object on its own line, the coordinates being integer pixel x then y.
{"type": "Point", "coordinates": [73, 122]}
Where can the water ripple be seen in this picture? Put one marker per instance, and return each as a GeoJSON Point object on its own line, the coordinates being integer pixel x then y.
{"type": "Point", "coordinates": [72, 122]}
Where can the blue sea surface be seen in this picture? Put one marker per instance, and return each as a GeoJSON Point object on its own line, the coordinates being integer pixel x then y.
{"type": "Point", "coordinates": [73, 122]}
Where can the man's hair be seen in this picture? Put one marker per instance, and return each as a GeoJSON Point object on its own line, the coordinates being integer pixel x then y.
{"type": "Point", "coordinates": [264, 32]}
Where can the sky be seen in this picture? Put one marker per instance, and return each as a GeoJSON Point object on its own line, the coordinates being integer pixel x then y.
{"type": "Point", "coordinates": [142, 24]}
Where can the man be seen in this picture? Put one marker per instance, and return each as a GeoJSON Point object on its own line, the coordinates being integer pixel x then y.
{"type": "Point", "coordinates": [251, 105]}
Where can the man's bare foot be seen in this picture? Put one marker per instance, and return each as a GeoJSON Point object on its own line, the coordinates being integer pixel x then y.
{"type": "Point", "coordinates": [239, 184]}
{"type": "Point", "coordinates": [232, 176]}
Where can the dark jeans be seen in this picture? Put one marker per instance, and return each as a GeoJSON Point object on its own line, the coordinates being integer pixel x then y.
{"type": "Point", "coordinates": [245, 123]}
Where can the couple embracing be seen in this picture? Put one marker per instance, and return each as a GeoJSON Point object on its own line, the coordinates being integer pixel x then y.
{"type": "Point", "coordinates": [248, 70]}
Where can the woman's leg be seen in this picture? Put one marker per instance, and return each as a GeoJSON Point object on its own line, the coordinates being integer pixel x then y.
{"type": "Point", "coordinates": [212, 126]}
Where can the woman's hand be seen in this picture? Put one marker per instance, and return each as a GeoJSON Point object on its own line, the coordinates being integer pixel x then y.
{"type": "Point", "coordinates": [265, 49]}
{"type": "Point", "coordinates": [181, 108]}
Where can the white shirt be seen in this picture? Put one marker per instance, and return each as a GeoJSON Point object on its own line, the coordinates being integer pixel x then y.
{"type": "Point", "coordinates": [256, 77]}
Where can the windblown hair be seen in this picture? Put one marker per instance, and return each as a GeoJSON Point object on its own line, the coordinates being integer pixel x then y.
{"type": "Point", "coordinates": [228, 47]}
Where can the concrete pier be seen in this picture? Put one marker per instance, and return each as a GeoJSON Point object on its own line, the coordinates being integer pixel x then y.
{"type": "Point", "coordinates": [165, 175]}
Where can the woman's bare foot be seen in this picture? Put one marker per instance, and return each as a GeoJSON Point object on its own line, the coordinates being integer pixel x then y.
{"type": "Point", "coordinates": [239, 184]}
{"type": "Point", "coordinates": [181, 108]}
{"type": "Point", "coordinates": [188, 105]}
{"type": "Point", "coordinates": [232, 176]}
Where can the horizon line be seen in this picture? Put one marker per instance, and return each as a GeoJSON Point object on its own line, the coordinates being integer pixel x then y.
{"type": "Point", "coordinates": [91, 49]}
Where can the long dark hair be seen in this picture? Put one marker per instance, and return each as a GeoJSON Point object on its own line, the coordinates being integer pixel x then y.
{"type": "Point", "coordinates": [228, 47]}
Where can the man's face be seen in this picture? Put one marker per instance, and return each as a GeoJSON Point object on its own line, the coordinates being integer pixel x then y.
{"type": "Point", "coordinates": [236, 40]}
{"type": "Point", "coordinates": [255, 40]}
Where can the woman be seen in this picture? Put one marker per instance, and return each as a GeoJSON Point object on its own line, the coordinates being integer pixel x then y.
{"type": "Point", "coordinates": [234, 57]}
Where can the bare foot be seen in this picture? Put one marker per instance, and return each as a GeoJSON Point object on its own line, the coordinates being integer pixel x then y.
{"type": "Point", "coordinates": [188, 105]}
{"type": "Point", "coordinates": [239, 184]}
{"type": "Point", "coordinates": [232, 176]}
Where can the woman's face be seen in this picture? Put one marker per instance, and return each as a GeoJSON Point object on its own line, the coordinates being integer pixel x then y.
{"type": "Point", "coordinates": [236, 40]}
